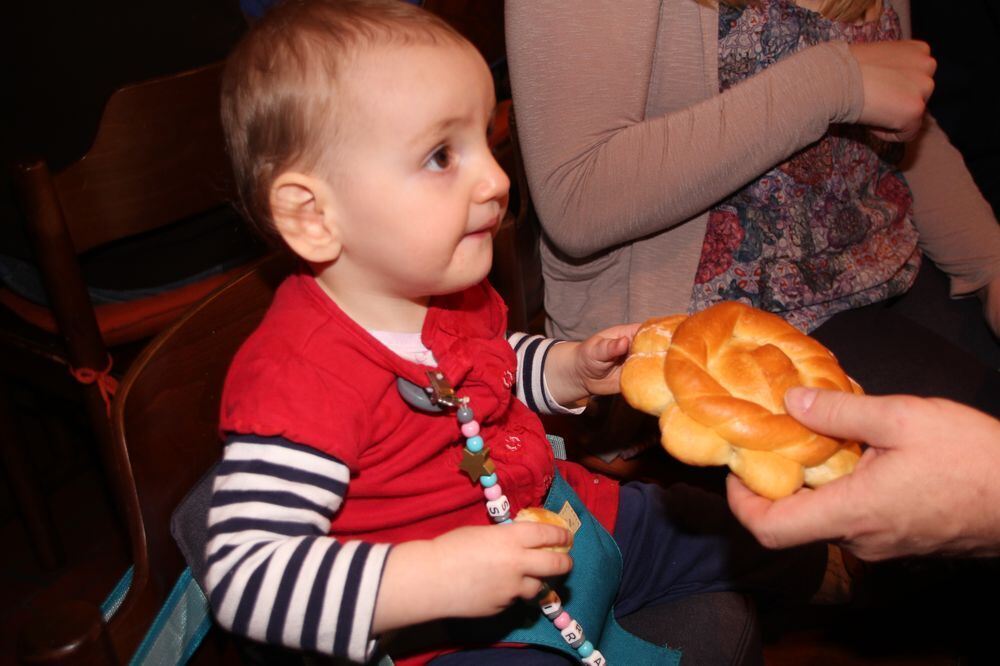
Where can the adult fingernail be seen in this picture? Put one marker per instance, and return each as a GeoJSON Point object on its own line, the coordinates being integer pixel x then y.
{"type": "Point", "coordinates": [799, 399]}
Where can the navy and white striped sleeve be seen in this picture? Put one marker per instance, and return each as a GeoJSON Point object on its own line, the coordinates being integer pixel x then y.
{"type": "Point", "coordinates": [530, 386]}
{"type": "Point", "coordinates": [274, 574]}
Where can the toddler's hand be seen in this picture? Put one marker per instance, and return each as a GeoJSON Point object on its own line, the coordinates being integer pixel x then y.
{"type": "Point", "coordinates": [467, 572]}
{"type": "Point", "coordinates": [599, 359]}
{"type": "Point", "coordinates": [483, 570]}
{"type": "Point", "coordinates": [576, 370]}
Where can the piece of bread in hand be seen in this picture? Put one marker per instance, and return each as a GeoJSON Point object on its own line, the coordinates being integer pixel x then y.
{"type": "Point", "coordinates": [536, 514]}
{"type": "Point", "coordinates": [717, 381]}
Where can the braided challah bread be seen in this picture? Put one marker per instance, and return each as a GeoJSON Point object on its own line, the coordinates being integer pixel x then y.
{"type": "Point", "coordinates": [717, 380]}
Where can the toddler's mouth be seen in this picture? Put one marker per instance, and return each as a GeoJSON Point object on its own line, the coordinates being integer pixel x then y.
{"type": "Point", "coordinates": [489, 228]}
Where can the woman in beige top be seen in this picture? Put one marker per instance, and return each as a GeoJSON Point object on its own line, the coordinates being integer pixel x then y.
{"type": "Point", "coordinates": [628, 143]}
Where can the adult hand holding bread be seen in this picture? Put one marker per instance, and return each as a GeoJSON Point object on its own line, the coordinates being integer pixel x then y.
{"type": "Point", "coordinates": [717, 380]}
{"type": "Point", "coordinates": [925, 484]}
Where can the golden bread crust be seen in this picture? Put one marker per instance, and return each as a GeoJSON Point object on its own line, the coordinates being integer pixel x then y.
{"type": "Point", "coordinates": [717, 380]}
{"type": "Point", "coordinates": [536, 514]}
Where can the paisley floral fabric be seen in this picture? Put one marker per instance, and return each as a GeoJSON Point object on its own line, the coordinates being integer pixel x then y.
{"type": "Point", "coordinates": [827, 230]}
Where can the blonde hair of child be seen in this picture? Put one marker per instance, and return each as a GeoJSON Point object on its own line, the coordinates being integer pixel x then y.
{"type": "Point", "coordinates": [280, 105]}
{"type": "Point", "coordinates": [835, 10]}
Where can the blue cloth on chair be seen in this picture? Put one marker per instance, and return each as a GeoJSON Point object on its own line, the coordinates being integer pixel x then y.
{"type": "Point", "coordinates": [24, 279]}
{"type": "Point", "coordinates": [179, 627]}
{"type": "Point", "coordinates": [588, 592]}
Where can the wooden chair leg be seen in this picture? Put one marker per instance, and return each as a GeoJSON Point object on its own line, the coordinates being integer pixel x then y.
{"type": "Point", "coordinates": [28, 496]}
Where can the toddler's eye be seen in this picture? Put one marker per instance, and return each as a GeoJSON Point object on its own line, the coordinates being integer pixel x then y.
{"type": "Point", "coordinates": [440, 159]}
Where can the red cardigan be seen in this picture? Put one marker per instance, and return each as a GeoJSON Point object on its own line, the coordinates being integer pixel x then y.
{"type": "Point", "coordinates": [312, 375]}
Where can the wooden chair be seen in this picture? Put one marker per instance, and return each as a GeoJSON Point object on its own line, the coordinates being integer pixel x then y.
{"type": "Point", "coordinates": [158, 157]}
{"type": "Point", "coordinates": [164, 438]}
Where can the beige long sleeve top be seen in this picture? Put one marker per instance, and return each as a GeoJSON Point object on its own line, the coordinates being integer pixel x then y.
{"type": "Point", "coordinates": [628, 142]}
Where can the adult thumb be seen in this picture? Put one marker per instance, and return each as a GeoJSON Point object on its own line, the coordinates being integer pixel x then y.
{"type": "Point", "coordinates": [838, 414]}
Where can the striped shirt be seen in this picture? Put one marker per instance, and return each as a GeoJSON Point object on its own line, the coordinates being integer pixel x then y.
{"type": "Point", "coordinates": [273, 572]}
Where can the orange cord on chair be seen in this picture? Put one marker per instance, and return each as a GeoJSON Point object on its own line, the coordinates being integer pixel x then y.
{"type": "Point", "coordinates": [105, 382]}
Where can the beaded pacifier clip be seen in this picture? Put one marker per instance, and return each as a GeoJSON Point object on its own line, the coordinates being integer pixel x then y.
{"type": "Point", "coordinates": [476, 462]}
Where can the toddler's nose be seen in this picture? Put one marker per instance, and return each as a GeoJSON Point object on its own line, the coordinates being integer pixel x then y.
{"type": "Point", "coordinates": [494, 183]}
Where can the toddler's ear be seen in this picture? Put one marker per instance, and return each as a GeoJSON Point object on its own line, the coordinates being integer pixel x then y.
{"type": "Point", "coordinates": [303, 212]}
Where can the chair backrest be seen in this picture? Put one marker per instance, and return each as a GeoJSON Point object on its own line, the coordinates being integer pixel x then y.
{"type": "Point", "coordinates": [165, 432]}
{"type": "Point", "coordinates": [158, 157]}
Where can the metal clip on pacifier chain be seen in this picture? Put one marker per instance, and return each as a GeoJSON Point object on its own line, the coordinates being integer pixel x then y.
{"type": "Point", "coordinates": [437, 397]}
{"type": "Point", "coordinates": [434, 398]}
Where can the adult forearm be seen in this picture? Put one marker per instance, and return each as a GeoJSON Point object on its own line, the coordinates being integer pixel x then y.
{"type": "Point", "coordinates": [603, 173]}
{"type": "Point", "coordinates": [958, 230]}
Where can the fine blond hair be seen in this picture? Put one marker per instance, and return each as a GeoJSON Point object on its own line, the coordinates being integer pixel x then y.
{"type": "Point", "coordinates": [280, 107]}
{"type": "Point", "coordinates": [836, 10]}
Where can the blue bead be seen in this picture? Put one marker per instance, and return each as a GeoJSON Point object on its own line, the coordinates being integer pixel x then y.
{"type": "Point", "coordinates": [586, 649]}
{"type": "Point", "coordinates": [506, 522]}
{"type": "Point", "coordinates": [487, 481]}
{"type": "Point", "coordinates": [474, 444]}
{"type": "Point", "coordinates": [465, 414]}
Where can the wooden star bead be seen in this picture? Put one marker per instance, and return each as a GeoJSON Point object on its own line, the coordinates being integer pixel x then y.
{"type": "Point", "coordinates": [477, 464]}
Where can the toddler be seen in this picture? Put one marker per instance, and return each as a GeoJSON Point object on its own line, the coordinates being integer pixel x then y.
{"type": "Point", "coordinates": [379, 421]}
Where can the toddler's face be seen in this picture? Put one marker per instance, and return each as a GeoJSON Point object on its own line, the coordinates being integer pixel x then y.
{"type": "Point", "coordinates": [419, 194]}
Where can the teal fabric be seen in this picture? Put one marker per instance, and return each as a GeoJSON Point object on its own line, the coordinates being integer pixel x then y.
{"type": "Point", "coordinates": [114, 600]}
{"type": "Point", "coordinates": [588, 593]}
{"type": "Point", "coordinates": [558, 445]}
{"type": "Point", "coordinates": [179, 627]}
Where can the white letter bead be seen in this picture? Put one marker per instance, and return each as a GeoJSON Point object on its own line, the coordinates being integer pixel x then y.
{"type": "Point", "coordinates": [573, 634]}
{"type": "Point", "coordinates": [498, 507]}
{"type": "Point", "coordinates": [595, 659]}
{"type": "Point", "coordinates": [553, 609]}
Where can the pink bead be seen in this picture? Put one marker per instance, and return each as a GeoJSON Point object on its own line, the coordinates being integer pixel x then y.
{"type": "Point", "coordinates": [562, 621]}
{"type": "Point", "coordinates": [470, 429]}
{"type": "Point", "coordinates": [493, 492]}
